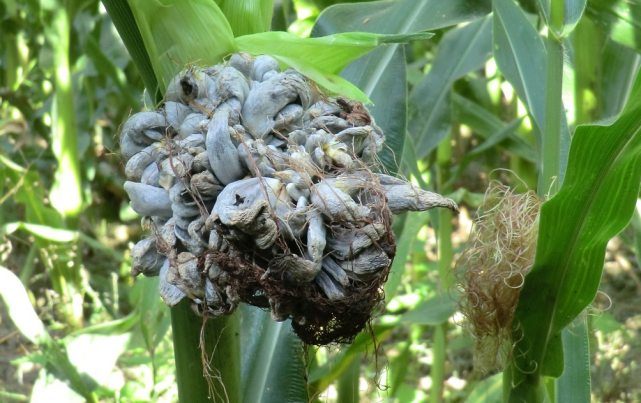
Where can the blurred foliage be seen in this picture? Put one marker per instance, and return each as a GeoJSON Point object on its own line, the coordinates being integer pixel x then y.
{"type": "Point", "coordinates": [75, 268]}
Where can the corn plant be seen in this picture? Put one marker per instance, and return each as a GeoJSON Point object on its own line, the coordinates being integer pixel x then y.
{"type": "Point", "coordinates": [546, 88]}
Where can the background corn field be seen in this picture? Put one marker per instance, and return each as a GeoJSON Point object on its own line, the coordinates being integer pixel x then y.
{"type": "Point", "coordinates": [547, 90]}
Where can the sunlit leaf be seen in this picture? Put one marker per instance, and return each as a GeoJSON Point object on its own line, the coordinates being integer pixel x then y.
{"type": "Point", "coordinates": [620, 18]}
{"type": "Point", "coordinates": [42, 231]}
{"type": "Point", "coordinates": [177, 33]}
{"type": "Point", "coordinates": [321, 59]}
{"type": "Point", "coordinates": [27, 321]}
{"type": "Point", "coordinates": [572, 12]}
{"type": "Point", "coordinates": [521, 57]}
{"type": "Point", "coordinates": [461, 51]}
{"type": "Point", "coordinates": [248, 16]}
{"type": "Point", "coordinates": [595, 202]}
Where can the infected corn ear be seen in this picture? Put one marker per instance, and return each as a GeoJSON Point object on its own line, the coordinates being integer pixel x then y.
{"type": "Point", "coordinates": [493, 270]}
{"type": "Point", "coordinates": [260, 189]}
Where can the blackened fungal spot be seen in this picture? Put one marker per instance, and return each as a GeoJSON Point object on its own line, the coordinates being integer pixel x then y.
{"type": "Point", "coordinates": [239, 200]}
{"type": "Point", "coordinates": [186, 86]}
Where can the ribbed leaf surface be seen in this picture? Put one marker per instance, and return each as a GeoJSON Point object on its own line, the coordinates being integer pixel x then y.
{"type": "Point", "coordinates": [248, 16]}
{"type": "Point", "coordinates": [595, 202]}
{"type": "Point", "coordinates": [273, 370]}
{"type": "Point", "coordinates": [178, 32]}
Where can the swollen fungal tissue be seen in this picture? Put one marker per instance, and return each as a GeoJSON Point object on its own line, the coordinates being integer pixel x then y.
{"type": "Point", "coordinates": [259, 188]}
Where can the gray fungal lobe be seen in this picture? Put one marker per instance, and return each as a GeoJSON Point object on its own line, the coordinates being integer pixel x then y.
{"type": "Point", "coordinates": [258, 189]}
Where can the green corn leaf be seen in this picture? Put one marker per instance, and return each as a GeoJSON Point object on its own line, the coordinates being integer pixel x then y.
{"type": "Point", "coordinates": [321, 377]}
{"type": "Point", "coordinates": [521, 57]}
{"type": "Point", "coordinates": [413, 224]}
{"type": "Point", "coordinates": [488, 390]}
{"type": "Point", "coordinates": [486, 124]}
{"type": "Point", "coordinates": [248, 16]}
{"type": "Point", "coordinates": [433, 311]}
{"type": "Point", "coordinates": [461, 51]}
{"type": "Point", "coordinates": [125, 22]}
{"type": "Point", "coordinates": [43, 231]}
{"type": "Point", "coordinates": [347, 390]}
{"type": "Point", "coordinates": [93, 355]}
{"type": "Point", "coordinates": [27, 321]}
{"type": "Point", "coordinates": [221, 340]}
{"type": "Point", "coordinates": [53, 234]}
{"type": "Point", "coordinates": [381, 73]}
{"type": "Point", "coordinates": [111, 328]}
{"type": "Point", "coordinates": [619, 66]}
{"type": "Point", "coordinates": [272, 360]}
{"type": "Point", "coordinates": [66, 190]}
{"type": "Point", "coordinates": [321, 59]}
{"type": "Point", "coordinates": [620, 18]}
{"type": "Point", "coordinates": [572, 12]}
{"type": "Point", "coordinates": [330, 53]}
{"type": "Point", "coordinates": [152, 312]}
{"type": "Point", "coordinates": [399, 367]}
{"type": "Point", "coordinates": [595, 202]}
{"type": "Point", "coordinates": [574, 384]}
{"type": "Point", "coordinates": [177, 33]}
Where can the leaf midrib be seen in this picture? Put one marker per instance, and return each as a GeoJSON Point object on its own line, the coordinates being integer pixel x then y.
{"type": "Point", "coordinates": [578, 229]}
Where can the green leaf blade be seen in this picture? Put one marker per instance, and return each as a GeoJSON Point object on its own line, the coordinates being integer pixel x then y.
{"type": "Point", "coordinates": [521, 56]}
{"type": "Point", "coordinates": [125, 22]}
{"type": "Point", "coordinates": [272, 367]}
{"type": "Point", "coordinates": [330, 53]}
{"type": "Point", "coordinates": [177, 33]}
{"type": "Point", "coordinates": [572, 12]}
{"type": "Point", "coordinates": [575, 382]}
{"type": "Point", "coordinates": [461, 51]}
{"type": "Point", "coordinates": [620, 19]}
{"type": "Point", "coordinates": [595, 202]}
{"type": "Point", "coordinates": [248, 16]}
{"type": "Point", "coordinates": [27, 321]}
{"type": "Point", "coordinates": [321, 59]}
